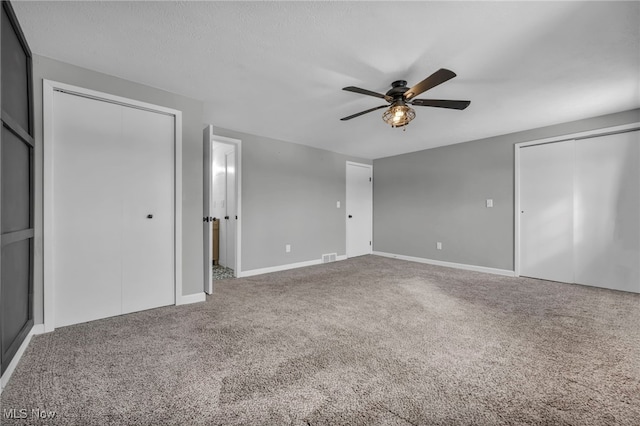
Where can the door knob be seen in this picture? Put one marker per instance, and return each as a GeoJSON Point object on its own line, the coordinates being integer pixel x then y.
{"type": "Point", "coordinates": [350, 216]}
{"type": "Point", "coordinates": [149, 216]}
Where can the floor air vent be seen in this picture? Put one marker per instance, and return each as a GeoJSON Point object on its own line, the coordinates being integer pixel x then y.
{"type": "Point", "coordinates": [331, 257]}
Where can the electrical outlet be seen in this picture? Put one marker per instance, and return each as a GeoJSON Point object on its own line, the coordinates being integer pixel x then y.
{"type": "Point", "coordinates": [287, 248]}
{"type": "Point", "coordinates": [438, 245]}
{"type": "Point", "coordinates": [489, 202]}
{"type": "Point", "coordinates": [337, 204]}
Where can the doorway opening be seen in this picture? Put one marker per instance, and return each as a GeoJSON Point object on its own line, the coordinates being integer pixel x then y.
{"type": "Point", "coordinates": [221, 208]}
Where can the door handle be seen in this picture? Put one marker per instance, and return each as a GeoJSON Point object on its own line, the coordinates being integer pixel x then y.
{"type": "Point", "coordinates": [350, 216]}
{"type": "Point", "coordinates": [149, 216]}
{"type": "Point", "coordinates": [226, 217]}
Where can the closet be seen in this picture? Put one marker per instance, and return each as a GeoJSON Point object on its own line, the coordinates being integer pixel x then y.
{"type": "Point", "coordinates": [112, 214]}
{"type": "Point", "coordinates": [580, 211]}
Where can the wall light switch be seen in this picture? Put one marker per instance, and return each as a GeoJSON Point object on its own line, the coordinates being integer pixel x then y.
{"type": "Point", "coordinates": [489, 202]}
{"type": "Point", "coordinates": [337, 204]}
{"type": "Point", "coordinates": [287, 248]}
{"type": "Point", "coordinates": [438, 245]}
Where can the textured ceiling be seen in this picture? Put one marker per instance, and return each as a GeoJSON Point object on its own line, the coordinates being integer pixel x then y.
{"type": "Point", "coordinates": [276, 69]}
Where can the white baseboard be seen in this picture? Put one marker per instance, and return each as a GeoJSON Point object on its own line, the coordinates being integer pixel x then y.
{"type": "Point", "coordinates": [36, 329]}
{"type": "Point", "coordinates": [192, 298]}
{"type": "Point", "coordinates": [485, 269]}
{"type": "Point", "coordinates": [260, 271]}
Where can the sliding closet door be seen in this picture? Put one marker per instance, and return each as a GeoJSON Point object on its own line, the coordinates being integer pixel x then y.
{"type": "Point", "coordinates": [580, 211]}
{"type": "Point", "coordinates": [546, 211]}
{"type": "Point", "coordinates": [113, 209]}
{"type": "Point", "coordinates": [607, 213]}
{"type": "Point", "coordinates": [16, 189]}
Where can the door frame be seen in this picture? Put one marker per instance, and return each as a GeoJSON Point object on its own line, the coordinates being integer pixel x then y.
{"type": "Point", "coordinates": [346, 207]}
{"type": "Point", "coordinates": [211, 138]}
{"type": "Point", "coordinates": [48, 89]}
{"type": "Point", "coordinates": [573, 136]}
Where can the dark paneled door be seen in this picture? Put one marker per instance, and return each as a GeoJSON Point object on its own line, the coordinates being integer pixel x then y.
{"type": "Point", "coordinates": [16, 188]}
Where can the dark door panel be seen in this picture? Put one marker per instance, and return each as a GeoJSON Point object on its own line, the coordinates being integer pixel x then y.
{"type": "Point", "coordinates": [15, 303]}
{"type": "Point", "coordinates": [15, 75]}
{"type": "Point", "coordinates": [16, 180]}
{"type": "Point", "coordinates": [16, 188]}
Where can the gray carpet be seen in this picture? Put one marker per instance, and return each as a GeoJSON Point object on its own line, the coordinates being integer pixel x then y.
{"type": "Point", "coordinates": [366, 341]}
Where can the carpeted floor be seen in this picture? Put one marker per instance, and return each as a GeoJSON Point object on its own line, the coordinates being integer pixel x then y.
{"type": "Point", "coordinates": [366, 341]}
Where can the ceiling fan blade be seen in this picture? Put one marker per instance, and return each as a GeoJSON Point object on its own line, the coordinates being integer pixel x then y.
{"type": "Point", "coordinates": [363, 112]}
{"type": "Point", "coordinates": [367, 92]}
{"type": "Point", "coordinates": [440, 103]}
{"type": "Point", "coordinates": [430, 82]}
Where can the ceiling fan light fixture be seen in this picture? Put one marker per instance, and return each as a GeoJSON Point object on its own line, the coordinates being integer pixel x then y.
{"type": "Point", "coordinates": [398, 115]}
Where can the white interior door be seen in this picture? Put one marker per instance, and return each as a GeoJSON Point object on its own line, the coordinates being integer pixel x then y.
{"type": "Point", "coordinates": [546, 211]}
{"type": "Point", "coordinates": [359, 209]}
{"type": "Point", "coordinates": [87, 213]}
{"type": "Point", "coordinates": [231, 209]}
{"type": "Point", "coordinates": [148, 211]}
{"type": "Point", "coordinates": [112, 167]}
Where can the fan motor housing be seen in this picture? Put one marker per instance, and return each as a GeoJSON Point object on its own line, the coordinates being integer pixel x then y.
{"type": "Point", "coordinates": [398, 88]}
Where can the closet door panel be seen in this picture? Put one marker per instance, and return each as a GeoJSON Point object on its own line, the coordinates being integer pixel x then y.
{"type": "Point", "coordinates": [88, 209]}
{"type": "Point", "coordinates": [148, 259]}
{"type": "Point", "coordinates": [607, 211]}
{"type": "Point", "coordinates": [546, 216]}
{"type": "Point", "coordinates": [16, 199]}
{"type": "Point", "coordinates": [15, 76]}
{"type": "Point", "coordinates": [16, 298]}
{"type": "Point", "coordinates": [16, 181]}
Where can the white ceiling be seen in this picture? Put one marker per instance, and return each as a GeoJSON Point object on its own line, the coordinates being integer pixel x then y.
{"type": "Point", "coordinates": [276, 69]}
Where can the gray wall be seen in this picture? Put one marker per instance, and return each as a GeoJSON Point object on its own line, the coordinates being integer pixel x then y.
{"type": "Point", "coordinates": [439, 195]}
{"type": "Point", "coordinates": [191, 162]}
{"type": "Point", "coordinates": [289, 195]}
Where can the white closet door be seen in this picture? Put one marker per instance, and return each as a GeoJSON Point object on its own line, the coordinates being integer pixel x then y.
{"type": "Point", "coordinates": [112, 167]}
{"type": "Point", "coordinates": [147, 243]}
{"type": "Point", "coordinates": [546, 211]}
{"type": "Point", "coordinates": [87, 210]}
{"type": "Point", "coordinates": [607, 211]}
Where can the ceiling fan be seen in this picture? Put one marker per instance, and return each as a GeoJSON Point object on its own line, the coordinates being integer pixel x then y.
{"type": "Point", "coordinates": [399, 113]}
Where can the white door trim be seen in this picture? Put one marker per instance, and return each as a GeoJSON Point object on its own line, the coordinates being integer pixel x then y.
{"type": "Point", "coordinates": [572, 136]}
{"type": "Point", "coordinates": [48, 89]}
{"type": "Point", "coordinates": [346, 210]}
{"type": "Point", "coordinates": [238, 144]}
